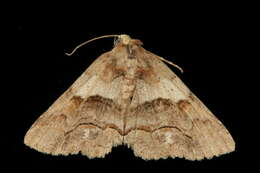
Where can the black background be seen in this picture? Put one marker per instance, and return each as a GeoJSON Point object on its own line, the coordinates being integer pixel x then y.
{"type": "Point", "coordinates": [208, 44]}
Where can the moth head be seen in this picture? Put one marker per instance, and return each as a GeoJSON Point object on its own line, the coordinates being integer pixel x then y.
{"type": "Point", "coordinates": [126, 40]}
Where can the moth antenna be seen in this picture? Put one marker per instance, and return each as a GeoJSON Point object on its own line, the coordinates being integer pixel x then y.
{"type": "Point", "coordinates": [86, 42]}
{"type": "Point", "coordinates": [171, 63]}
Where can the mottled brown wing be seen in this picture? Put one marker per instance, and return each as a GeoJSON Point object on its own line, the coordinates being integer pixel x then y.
{"type": "Point", "coordinates": [170, 121]}
{"type": "Point", "coordinates": [78, 121]}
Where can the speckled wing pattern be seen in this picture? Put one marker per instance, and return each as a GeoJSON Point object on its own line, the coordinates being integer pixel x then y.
{"type": "Point", "coordinates": [128, 96]}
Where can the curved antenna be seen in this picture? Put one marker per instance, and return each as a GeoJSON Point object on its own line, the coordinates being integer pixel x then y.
{"type": "Point", "coordinates": [86, 42]}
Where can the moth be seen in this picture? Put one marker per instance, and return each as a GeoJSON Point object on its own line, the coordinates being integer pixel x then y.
{"type": "Point", "coordinates": [128, 96]}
